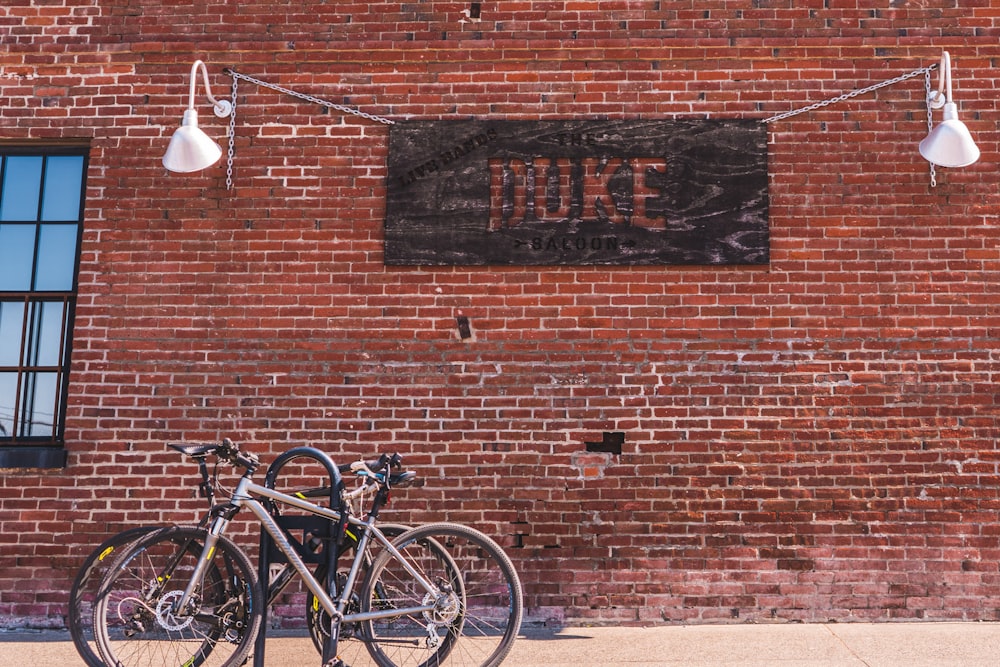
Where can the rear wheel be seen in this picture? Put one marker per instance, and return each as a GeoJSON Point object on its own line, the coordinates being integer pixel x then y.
{"type": "Point", "coordinates": [137, 624]}
{"type": "Point", "coordinates": [476, 600]}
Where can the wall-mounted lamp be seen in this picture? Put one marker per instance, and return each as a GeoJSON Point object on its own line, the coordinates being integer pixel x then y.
{"type": "Point", "coordinates": [190, 148]}
{"type": "Point", "coordinates": [949, 144]}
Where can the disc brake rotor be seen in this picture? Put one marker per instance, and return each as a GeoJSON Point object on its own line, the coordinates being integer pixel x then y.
{"type": "Point", "coordinates": [165, 613]}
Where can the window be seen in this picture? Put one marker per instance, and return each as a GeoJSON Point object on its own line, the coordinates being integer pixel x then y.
{"type": "Point", "coordinates": [41, 217]}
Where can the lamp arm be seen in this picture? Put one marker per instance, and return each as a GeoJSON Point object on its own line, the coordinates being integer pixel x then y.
{"type": "Point", "coordinates": [943, 94]}
{"type": "Point", "coordinates": [222, 108]}
{"type": "Point", "coordinates": [946, 66]}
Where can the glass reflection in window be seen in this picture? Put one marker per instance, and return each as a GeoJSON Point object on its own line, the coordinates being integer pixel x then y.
{"type": "Point", "coordinates": [41, 218]}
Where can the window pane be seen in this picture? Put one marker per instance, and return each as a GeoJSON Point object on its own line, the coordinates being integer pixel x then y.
{"type": "Point", "coordinates": [17, 250]}
{"type": "Point", "coordinates": [39, 404]}
{"type": "Point", "coordinates": [8, 389]}
{"type": "Point", "coordinates": [56, 258]}
{"type": "Point", "coordinates": [63, 178]}
{"type": "Point", "coordinates": [11, 326]}
{"type": "Point", "coordinates": [48, 334]}
{"type": "Point", "coordinates": [21, 185]}
{"type": "Point", "coordinates": [40, 227]}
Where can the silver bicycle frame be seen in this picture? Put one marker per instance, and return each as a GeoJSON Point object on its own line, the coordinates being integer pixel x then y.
{"type": "Point", "coordinates": [244, 496]}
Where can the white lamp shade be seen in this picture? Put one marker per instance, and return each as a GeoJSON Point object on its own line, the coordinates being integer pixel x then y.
{"type": "Point", "coordinates": [950, 144]}
{"type": "Point", "coordinates": [190, 149]}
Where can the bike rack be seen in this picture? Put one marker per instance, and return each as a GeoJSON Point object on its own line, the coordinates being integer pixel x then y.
{"type": "Point", "coordinates": [321, 528]}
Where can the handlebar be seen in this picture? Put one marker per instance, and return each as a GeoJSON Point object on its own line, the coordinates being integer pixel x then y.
{"type": "Point", "coordinates": [229, 451]}
{"type": "Point", "coordinates": [385, 461]}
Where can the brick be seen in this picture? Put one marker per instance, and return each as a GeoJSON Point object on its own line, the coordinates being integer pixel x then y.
{"type": "Point", "coordinates": [791, 430]}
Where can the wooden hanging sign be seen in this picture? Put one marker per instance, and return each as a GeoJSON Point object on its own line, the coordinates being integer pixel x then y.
{"type": "Point", "coordinates": [625, 192]}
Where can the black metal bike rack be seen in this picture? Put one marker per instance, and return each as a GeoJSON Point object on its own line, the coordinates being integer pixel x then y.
{"type": "Point", "coordinates": [330, 534]}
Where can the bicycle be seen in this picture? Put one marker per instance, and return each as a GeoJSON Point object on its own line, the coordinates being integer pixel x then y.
{"type": "Point", "coordinates": [439, 592]}
{"type": "Point", "coordinates": [94, 567]}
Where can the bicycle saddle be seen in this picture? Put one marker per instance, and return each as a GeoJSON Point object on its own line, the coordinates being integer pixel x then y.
{"type": "Point", "coordinates": [195, 451]}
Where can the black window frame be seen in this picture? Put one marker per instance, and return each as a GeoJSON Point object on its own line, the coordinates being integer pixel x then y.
{"type": "Point", "coordinates": [22, 449]}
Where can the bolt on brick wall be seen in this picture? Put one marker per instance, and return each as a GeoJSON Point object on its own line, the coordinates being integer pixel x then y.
{"type": "Point", "coordinates": [808, 440]}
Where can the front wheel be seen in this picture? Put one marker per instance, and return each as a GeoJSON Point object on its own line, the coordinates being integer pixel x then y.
{"type": "Point", "coordinates": [136, 619]}
{"type": "Point", "coordinates": [475, 597]}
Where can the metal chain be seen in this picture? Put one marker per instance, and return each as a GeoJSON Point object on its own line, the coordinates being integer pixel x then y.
{"type": "Point", "coordinates": [853, 93]}
{"type": "Point", "coordinates": [232, 139]}
{"type": "Point", "coordinates": [310, 98]}
{"type": "Point", "coordinates": [926, 71]}
{"type": "Point", "coordinates": [930, 120]}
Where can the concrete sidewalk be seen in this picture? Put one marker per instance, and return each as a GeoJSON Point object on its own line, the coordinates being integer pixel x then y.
{"type": "Point", "coordinates": [815, 645]}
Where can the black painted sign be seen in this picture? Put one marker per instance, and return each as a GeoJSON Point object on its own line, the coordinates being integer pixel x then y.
{"type": "Point", "coordinates": [577, 192]}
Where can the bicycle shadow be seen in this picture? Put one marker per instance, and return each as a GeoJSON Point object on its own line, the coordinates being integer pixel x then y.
{"type": "Point", "coordinates": [550, 633]}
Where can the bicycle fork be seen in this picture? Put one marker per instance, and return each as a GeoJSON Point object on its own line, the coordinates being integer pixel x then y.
{"type": "Point", "coordinates": [221, 517]}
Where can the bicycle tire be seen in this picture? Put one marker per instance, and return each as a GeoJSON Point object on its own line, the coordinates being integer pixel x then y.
{"type": "Point", "coordinates": [79, 616]}
{"type": "Point", "coordinates": [479, 611]}
{"type": "Point", "coordinates": [134, 620]}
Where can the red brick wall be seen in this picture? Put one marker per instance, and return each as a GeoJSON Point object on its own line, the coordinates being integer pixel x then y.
{"type": "Point", "coordinates": [811, 440]}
